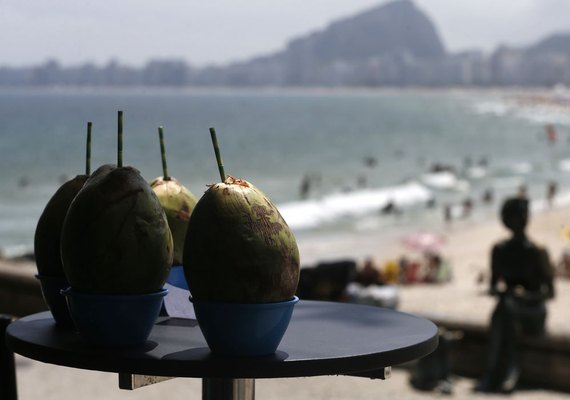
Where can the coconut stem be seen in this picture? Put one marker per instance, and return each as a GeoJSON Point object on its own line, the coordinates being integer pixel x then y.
{"type": "Point", "coordinates": [88, 149]}
{"type": "Point", "coordinates": [163, 154]}
{"type": "Point", "coordinates": [217, 152]}
{"type": "Point", "coordinates": [120, 140]}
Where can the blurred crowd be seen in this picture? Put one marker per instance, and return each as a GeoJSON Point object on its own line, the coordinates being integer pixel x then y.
{"type": "Point", "coordinates": [371, 283]}
{"type": "Point", "coordinates": [430, 267]}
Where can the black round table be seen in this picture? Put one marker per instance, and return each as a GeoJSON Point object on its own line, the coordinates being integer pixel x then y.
{"type": "Point", "coordinates": [323, 338]}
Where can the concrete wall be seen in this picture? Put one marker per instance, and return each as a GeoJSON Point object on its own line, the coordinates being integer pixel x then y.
{"type": "Point", "coordinates": [545, 361]}
{"type": "Point", "coordinates": [20, 294]}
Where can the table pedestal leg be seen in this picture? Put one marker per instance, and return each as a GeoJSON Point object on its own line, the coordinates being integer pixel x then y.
{"type": "Point", "coordinates": [228, 389]}
{"type": "Point", "coordinates": [8, 387]}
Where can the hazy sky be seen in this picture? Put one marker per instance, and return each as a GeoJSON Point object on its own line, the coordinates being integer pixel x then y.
{"type": "Point", "coordinates": [218, 31]}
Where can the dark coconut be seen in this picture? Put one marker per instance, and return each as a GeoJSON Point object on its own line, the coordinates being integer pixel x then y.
{"type": "Point", "coordinates": [48, 231]}
{"type": "Point", "coordinates": [115, 237]}
{"type": "Point", "coordinates": [238, 247]}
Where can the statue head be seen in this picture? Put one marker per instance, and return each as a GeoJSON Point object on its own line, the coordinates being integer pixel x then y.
{"type": "Point", "coordinates": [514, 214]}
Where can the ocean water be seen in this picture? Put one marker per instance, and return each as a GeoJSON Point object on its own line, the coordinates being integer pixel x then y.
{"type": "Point", "coordinates": [360, 151]}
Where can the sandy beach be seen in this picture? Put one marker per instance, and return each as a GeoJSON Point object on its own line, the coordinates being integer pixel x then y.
{"type": "Point", "coordinates": [46, 382]}
{"type": "Point", "coordinates": [467, 249]}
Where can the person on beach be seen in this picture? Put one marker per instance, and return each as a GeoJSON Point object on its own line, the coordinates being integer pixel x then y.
{"type": "Point", "coordinates": [522, 278]}
{"type": "Point", "coordinates": [305, 187]}
{"type": "Point", "coordinates": [488, 196]}
{"type": "Point", "coordinates": [550, 132]}
{"type": "Point", "coordinates": [369, 274]}
{"type": "Point", "coordinates": [563, 266]}
{"type": "Point", "coordinates": [447, 217]}
{"type": "Point", "coordinates": [467, 207]}
{"type": "Point", "coordinates": [551, 190]}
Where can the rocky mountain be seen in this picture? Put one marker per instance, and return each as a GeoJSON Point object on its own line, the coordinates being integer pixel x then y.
{"type": "Point", "coordinates": [554, 44]}
{"type": "Point", "coordinates": [396, 28]}
{"type": "Point", "coordinates": [388, 33]}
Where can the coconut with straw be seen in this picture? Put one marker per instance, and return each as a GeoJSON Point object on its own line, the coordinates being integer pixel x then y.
{"type": "Point", "coordinates": [176, 200]}
{"type": "Point", "coordinates": [115, 237]}
{"type": "Point", "coordinates": [48, 231]}
{"type": "Point", "coordinates": [238, 247]}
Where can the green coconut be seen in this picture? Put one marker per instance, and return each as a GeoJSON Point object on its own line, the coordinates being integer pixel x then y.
{"type": "Point", "coordinates": [238, 247]}
{"type": "Point", "coordinates": [115, 237]}
{"type": "Point", "coordinates": [177, 202]}
{"type": "Point", "coordinates": [48, 231]}
{"type": "Point", "coordinates": [47, 238]}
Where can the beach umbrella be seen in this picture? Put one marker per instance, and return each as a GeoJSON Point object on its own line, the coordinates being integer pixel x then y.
{"type": "Point", "coordinates": [424, 241]}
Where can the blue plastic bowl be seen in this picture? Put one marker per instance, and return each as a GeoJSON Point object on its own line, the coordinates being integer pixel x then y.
{"type": "Point", "coordinates": [176, 277]}
{"type": "Point", "coordinates": [243, 330]}
{"type": "Point", "coordinates": [51, 291]}
{"type": "Point", "coordinates": [114, 320]}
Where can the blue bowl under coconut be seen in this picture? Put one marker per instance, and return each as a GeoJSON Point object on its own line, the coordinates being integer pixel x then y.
{"type": "Point", "coordinates": [243, 330]}
{"type": "Point", "coordinates": [51, 291]}
{"type": "Point", "coordinates": [114, 320]}
{"type": "Point", "coordinates": [176, 277]}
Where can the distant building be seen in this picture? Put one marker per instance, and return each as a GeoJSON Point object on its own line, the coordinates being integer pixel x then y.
{"type": "Point", "coordinates": [394, 44]}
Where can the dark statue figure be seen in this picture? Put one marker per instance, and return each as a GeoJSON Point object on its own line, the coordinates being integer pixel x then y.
{"type": "Point", "coordinates": [522, 278]}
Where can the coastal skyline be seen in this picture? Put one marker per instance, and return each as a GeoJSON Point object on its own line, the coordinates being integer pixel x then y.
{"type": "Point", "coordinates": [222, 32]}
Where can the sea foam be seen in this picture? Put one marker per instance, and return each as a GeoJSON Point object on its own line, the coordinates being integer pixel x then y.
{"type": "Point", "coordinates": [310, 214]}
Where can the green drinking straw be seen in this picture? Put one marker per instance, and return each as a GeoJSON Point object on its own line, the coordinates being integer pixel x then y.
{"type": "Point", "coordinates": [88, 150]}
{"type": "Point", "coordinates": [120, 140]}
{"type": "Point", "coordinates": [217, 152]}
{"type": "Point", "coordinates": [163, 154]}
